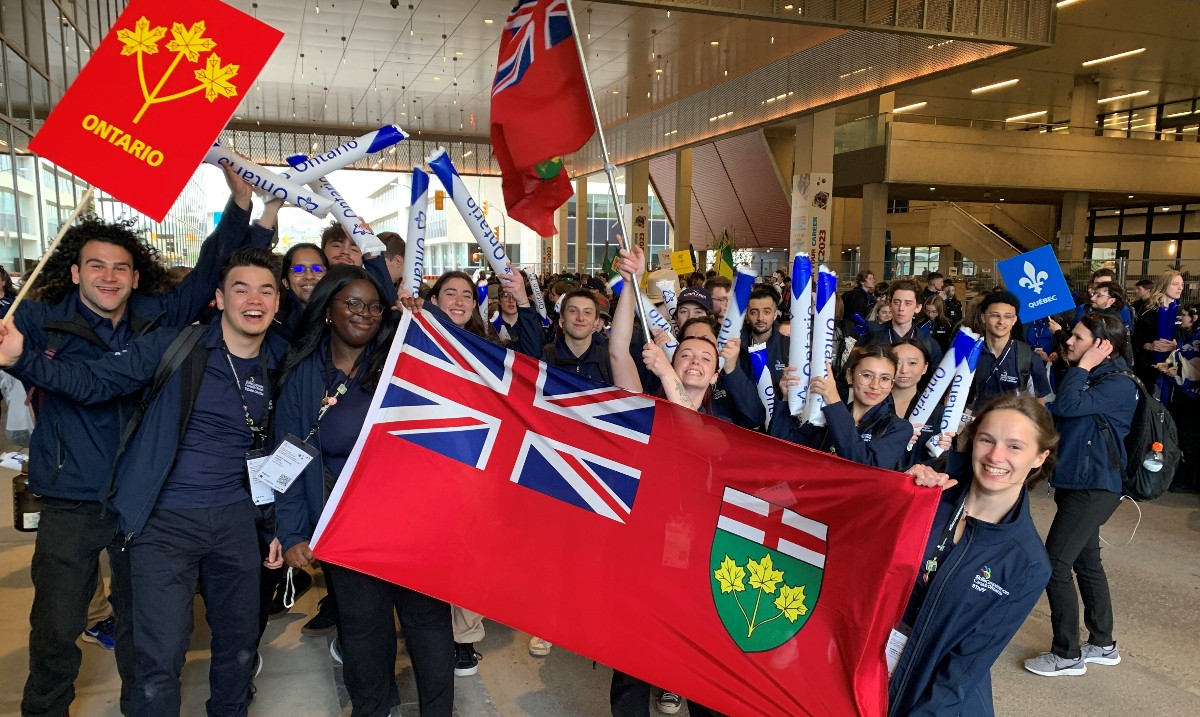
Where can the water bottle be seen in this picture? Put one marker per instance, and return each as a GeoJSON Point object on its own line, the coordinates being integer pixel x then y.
{"type": "Point", "coordinates": [1154, 458]}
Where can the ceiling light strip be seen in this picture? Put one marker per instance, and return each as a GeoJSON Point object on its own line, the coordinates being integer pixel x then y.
{"type": "Point", "coordinates": [1118, 56]}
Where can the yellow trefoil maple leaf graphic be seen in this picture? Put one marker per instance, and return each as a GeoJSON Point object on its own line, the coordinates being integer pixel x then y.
{"type": "Point", "coordinates": [216, 79]}
{"type": "Point", "coordinates": [190, 42]}
{"type": "Point", "coordinates": [791, 602]}
{"type": "Point", "coordinates": [141, 38]}
{"type": "Point", "coordinates": [763, 575]}
{"type": "Point", "coordinates": [731, 576]}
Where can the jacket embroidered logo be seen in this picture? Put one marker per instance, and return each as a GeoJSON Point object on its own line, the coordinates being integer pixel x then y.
{"type": "Point", "coordinates": [767, 563]}
{"type": "Point", "coordinates": [472, 404]}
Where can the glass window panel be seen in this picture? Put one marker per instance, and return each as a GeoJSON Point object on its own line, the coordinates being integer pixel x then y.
{"type": "Point", "coordinates": [1133, 225]}
{"type": "Point", "coordinates": [12, 21]}
{"type": "Point", "coordinates": [54, 52]}
{"type": "Point", "coordinates": [40, 92]}
{"type": "Point", "coordinates": [35, 34]}
{"type": "Point", "coordinates": [17, 85]}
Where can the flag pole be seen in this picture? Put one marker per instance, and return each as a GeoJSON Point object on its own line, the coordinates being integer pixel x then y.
{"type": "Point", "coordinates": [609, 169]}
{"type": "Point", "coordinates": [27, 282]}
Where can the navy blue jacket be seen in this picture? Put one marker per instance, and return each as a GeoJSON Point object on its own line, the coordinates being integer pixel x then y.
{"type": "Point", "coordinates": [376, 266]}
{"type": "Point", "coordinates": [778, 346]}
{"type": "Point", "coordinates": [881, 444]}
{"type": "Point", "coordinates": [986, 586]}
{"type": "Point", "coordinates": [594, 362]}
{"type": "Point", "coordinates": [298, 510]}
{"type": "Point", "coordinates": [920, 450]}
{"type": "Point", "coordinates": [74, 446]}
{"type": "Point", "coordinates": [1083, 401]}
{"type": "Point", "coordinates": [142, 468]}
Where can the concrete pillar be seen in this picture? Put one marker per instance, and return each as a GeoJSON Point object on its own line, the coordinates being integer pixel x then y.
{"type": "Point", "coordinates": [874, 228]}
{"type": "Point", "coordinates": [1084, 94]}
{"type": "Point", "coordinates": [558, 255]}
{"type": "Point", "coordinates": [637, 182]}
{"type": "Point", "coordinates": [812, 153]}
{"type": "Point", "coordinates": [581, 224]}
{"type": "Point", "coordinates": [882, 104]}
{"type": "Point", "coordinates": [683, 201]}
{"type": "Point", "coordinates": [1072, 237]}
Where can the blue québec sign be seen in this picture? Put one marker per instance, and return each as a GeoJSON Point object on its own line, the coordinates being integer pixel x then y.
{"type": "Point", "coordinates": [1038, 282]}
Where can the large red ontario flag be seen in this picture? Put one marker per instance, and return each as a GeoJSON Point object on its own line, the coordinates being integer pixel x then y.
{"type": "Point", "coordinates": [156, 93]}
{"type": "Point", "coordinates": [540, 111]}
{"type": "Point", "coordinates": [751, 575]}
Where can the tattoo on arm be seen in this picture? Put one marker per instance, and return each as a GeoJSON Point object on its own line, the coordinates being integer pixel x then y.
{"type": "Point", "coordinates": [683, 397]}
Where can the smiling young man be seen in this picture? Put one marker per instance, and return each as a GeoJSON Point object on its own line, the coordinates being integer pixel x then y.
{"type": "Point", "coordinates": [96, 294]}
{"type": "Point", "coordinates": [183, 499]}
{"type": "Point", "coordinates": [578, 348]}
{"type": "Point", "coordinates": [1006, 365]}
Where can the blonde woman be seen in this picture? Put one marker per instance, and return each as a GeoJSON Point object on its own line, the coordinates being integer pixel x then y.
{"type": "Point", "coordinates": [1151, 342]}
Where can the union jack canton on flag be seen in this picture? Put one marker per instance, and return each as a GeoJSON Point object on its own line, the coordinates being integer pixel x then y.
{"type": "Point", "coordinates": [533, 24]}
{"type": "Point", "coordinates": [516, 419]}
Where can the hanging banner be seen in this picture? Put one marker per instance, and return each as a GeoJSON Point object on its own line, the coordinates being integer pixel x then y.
{"type": "Point", "coordinates": [637, 223]}
{"type": "Point", "coordinates": [812, 204]}
{"type": "Point", "coordinates": [154, 96]}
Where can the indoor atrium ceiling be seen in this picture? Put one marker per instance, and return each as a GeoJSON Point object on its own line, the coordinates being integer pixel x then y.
{"type": "Point", "coordinates": [663, 79]}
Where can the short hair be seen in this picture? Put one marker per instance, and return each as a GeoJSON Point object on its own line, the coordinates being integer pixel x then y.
{"type": "Point", "coordinates": [764, 292]}
{"type": "Point", "coordinates": [250, 256]}
{"type": "Point", "coordinates": [393, 244]}
{"type": "Point", "coordinates": [1104, 272]}
{"type": "Point", "coordinates": [934, 275]}
{"type": "Point", "coordinates": [708, 320]}
{"type": "Point", "coordinates": [1145, 284]}
{"type": "Point", "coordinates": [861, 276]}
{"type": "Point", "coordinates": [718, 281]}
{"type": "Point", "coordinates": [581, 294]}
{"type": "Point", "coordinates": [903, 285]}
{"type": "Point", "coordinates": [1114, 290]}
{"type": "Point", "coordinates": [333, 232]}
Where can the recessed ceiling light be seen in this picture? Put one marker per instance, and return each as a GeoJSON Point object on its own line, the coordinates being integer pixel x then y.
{"type": "Point", "coordinates": [714, 43]}
{"type": "Point", "coordinates": [616, 92]}
{"type": "Point", "coordinates": [1131, 196]}
{"type": "Point", "coordinates": [458, 54]}
{"type": "Point", "coordinates": [1126, 96]}
{"type": "Point", "coordinates": [994, 86]}
{"type": "Point", "coordinates": [1002, 199]}
{"type": "Point", "coordinates": [488, 21]}
{"type": "Point", "coordinates": [908, 108]}
{"type": "Point", "coordinates": [436, 77]}
{"type": "Point", "coordinates": [1064, 3]}
{"type": "Point", "coordinates": [1118, 56]}
{"type": "Point", "coordinates": [933, 189]}
{"type": "Point", "coordinates": [1031, 115]}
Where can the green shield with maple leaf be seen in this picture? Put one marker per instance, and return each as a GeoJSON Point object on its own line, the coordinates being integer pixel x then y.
{"type": "Point", "coordinates": [763, 596]}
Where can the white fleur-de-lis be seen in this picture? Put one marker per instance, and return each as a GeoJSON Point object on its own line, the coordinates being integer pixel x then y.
{"type": "Point", "coordinates": [1033, 279]}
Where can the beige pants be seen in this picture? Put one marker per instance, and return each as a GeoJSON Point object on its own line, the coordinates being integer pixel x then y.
{"type": "Point", "coordinates": [99, 609]}
{"type": "Point", "coordinates": [468, 626]}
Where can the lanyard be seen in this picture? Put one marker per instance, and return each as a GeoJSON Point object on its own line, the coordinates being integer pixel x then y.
{"type": "Point", "coordinates": [332, 394]}
{"type": "Point", "coordinates": [256, 428]}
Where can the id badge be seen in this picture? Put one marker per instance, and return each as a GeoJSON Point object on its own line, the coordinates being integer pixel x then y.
{"type": "Point", "coordinates": [286, 463]}
{"type": "Point", "coordinates": [260, 492]}
{"type": "Point", "coordinates": [895, 647]}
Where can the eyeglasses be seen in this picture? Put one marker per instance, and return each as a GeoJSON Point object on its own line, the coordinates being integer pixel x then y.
{"type": "Point", "coordinates": [357, 306]}
{"type": "Point", "coordinates": [870, 377]}
{"type": "Point", "coordinates": [299, 269]}
{"type": "Point", "coordinates": [1007, 317]}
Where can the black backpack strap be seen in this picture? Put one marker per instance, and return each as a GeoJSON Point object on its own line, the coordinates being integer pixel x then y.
{"type": "Point", "coordinates": [177, 352]}
{"type": "Point", "coordinates": [1110, 440]}
{"type": "Point", "coordinates": [1024, 363]}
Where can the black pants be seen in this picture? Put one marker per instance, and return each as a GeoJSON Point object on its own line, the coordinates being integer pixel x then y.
{"type": "Point", "coordinates": [1073, 544]}
{"type": "Point", "coordinates": [1186, 411]}
{"type": "Point", "coordinates": [367, 635]}
{"type": "Point", "coordinates": [220, 547]}
{"type": "Point", "coordinates": [66, 557]}
{"type": "Point", "coordinates": [630, 697]}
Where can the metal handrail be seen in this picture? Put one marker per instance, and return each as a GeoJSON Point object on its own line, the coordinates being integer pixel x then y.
{"type": "Point", "coordinates": [1000, 208]}
{"type": "Point", "coordinates": [999, 237]}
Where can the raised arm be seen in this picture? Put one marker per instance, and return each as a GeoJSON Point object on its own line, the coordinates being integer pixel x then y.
{"type": "Point", "coordinates": [85, 381]}
{"type": "Point", "coordinates": [620, 335]}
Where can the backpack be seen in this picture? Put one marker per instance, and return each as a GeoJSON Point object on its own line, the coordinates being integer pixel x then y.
{"type": "Point", "coordinates": [1151, 424]}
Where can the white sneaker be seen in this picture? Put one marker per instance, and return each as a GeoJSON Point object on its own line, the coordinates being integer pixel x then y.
{"type": "Point", "coordinates": [539, 647]}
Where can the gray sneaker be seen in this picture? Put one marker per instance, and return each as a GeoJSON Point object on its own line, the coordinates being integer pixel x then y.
{"type": "Point", "coordinates": [1101, 655]}
{"type": "Point", "coordinates": [1049, 664]}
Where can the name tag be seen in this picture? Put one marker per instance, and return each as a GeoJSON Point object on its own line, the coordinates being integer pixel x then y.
{"type": "Point", "coordinates": [286, 463]}
{"type": "Point", "coordinates": [260, 492]}
{"type": "Point", "coordinates": [895, 647]}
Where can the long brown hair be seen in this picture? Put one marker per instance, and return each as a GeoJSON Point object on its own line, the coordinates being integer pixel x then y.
{"type": "Point", "coordinates": [475, 324]}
